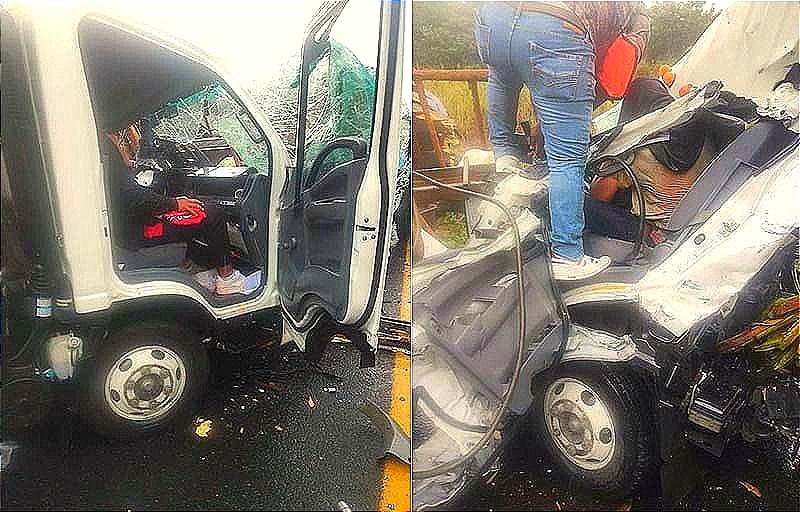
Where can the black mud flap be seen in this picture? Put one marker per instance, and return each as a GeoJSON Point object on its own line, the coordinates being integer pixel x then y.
{"type": "Point", "coordinates": [326, 329]}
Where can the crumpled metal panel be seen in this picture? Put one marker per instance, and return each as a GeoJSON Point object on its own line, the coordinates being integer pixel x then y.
{"type": "Point", "coordinates": [708, 270]}
{"type": "Point", "coordinates": [585, 344]}
{"type": "Point", "coordinates": [782, 104]}
{"type": "Point", "coordinates": [637, 131]}
{"type": "Point", "coordinates": [451, 405]}
{"type": "Point", "coordinates": [476, 249]}
{"type": "Point", "coordinates": [747, 47]}
{"type": "Point", "coordinates": [516, 192]}
{"type": "Point", "coordinates": [460, 396]}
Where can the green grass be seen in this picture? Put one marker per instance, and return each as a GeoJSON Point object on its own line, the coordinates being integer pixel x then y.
{"type": "Point", "coordinates": [457, 99]}
{"type": "Point", "coordinates": [450, 226]}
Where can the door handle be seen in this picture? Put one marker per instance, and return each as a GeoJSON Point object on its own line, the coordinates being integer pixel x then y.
{"type": "Point", "coordinates": [289, 244]}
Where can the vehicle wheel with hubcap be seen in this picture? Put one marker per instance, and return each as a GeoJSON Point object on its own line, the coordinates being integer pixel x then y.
{"type": "Point", "coordinates": [595, 425]}
{"type": "Point", "coordinates": [143, 378]}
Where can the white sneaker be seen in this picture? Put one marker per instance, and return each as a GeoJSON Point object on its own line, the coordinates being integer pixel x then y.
{"type": "Point", "coordinates": [584, 268]}
{"type": "Point", "coordinates": [234, 283]}
{"type": "Point", "coordinates": [207, 279]}
{"type": "Point", "coordinates": [506, 163]}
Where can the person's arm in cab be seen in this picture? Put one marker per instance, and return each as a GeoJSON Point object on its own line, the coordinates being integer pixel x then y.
{"type": "Point", "coordinates": [604, 188]}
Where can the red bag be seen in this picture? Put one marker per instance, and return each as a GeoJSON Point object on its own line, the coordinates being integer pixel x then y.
{"type": "Point", "coordinates": [183, 218]}
{"type": "Point", "coordinates": [616, 71]}
{"type": "Point", "coordinates": [176, 218]}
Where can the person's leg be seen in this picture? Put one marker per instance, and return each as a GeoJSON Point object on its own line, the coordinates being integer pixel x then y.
{"type": "Point", "coordinates": [503, 99]}
{"type": "Point", "coordinates": [494, 27]}
{"type": "Point", "coordinates": [608, 219]}
{"type": "Point", "coordinates": [214, 231]}
{"type": "Point", "coordinates": [559, 68]}
{"type": "Point", "coordinates": [562, 89]}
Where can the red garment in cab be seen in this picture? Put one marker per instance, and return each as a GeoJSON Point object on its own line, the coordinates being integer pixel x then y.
{"type": "Point", "coordinates": [174, 217]}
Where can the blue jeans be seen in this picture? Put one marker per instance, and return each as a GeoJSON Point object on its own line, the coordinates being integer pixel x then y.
{"type": "Point", "coordinates": [557, 66]}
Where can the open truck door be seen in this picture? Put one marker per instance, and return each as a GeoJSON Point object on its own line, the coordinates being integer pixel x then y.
{"type": "Point", "coordinates": [336, 204]}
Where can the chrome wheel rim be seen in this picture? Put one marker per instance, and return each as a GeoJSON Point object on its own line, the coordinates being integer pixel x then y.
{"type": "Point", "coordinates": [145, 383]}
{"type": "Point", "coordinates": [579, 423]}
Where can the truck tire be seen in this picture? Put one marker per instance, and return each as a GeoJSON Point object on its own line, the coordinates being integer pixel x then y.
{"type": "Point", "coordinates": [143, 379]}
{"type": "Point", "coordinates": [595, 425]}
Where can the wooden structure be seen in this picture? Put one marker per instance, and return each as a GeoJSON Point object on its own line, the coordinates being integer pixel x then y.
{"type": "Point", "coordinates": [427, 196]}
{"type": "Point", "coordinates": [471, 77]}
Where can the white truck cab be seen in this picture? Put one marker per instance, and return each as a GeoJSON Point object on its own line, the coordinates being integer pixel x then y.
{"type": "Point", "coordinates": [311, 230]}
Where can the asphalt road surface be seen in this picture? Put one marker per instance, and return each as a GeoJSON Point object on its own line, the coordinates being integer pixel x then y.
{"type": "Point", "coordinates": [283, 435]}
{"type": "Point", "coordinates": [528, 480]}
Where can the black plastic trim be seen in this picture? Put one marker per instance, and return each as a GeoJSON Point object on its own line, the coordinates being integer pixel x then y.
{"type": "Point", "coordinates": [394, 31]}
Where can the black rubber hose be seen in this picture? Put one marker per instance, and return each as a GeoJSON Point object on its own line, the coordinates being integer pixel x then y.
{"type": "Point", "coordinates": [642, 207]}
{"type": "Point", "coordinates": [420, 394]}
{"type": "Point", "coordinates": [492, 427]}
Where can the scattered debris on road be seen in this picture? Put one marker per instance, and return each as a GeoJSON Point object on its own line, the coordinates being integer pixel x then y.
{"type": "Point", "coordinates": [203, 427]}
{"type": "Point", "coordinates": [752, 489]}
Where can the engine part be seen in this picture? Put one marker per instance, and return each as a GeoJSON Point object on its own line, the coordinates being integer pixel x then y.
{"type": "Point", "coordinates": [61, 355]}
{"type": "Point", "coordinates": [713, 400]}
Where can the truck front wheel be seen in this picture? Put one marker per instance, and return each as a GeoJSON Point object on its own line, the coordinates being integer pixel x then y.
{"type": "Point", "coordinates": [143, 379]}
{"type": "Point", "coordinates": [595, 425]}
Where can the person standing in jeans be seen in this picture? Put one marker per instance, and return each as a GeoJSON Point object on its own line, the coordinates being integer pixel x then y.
{"type": "Point", "coordinates": [551, 47]}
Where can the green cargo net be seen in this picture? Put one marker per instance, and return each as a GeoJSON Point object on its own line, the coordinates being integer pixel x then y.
{"type": "Point", "coordinates": [341, 100]}
{"type": "Point", "coordinates": [349, 102]}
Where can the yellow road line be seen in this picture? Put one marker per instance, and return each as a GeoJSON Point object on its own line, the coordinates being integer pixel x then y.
{"type": "Point", "coordinates": [396, 493]}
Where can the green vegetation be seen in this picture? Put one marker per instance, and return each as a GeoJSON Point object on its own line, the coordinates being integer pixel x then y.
{"type": "Point", "coordinates": [450, 226]}
{"type": "Point", "coordinates": [675, 27]}
{"type": "Point", "coordinates": [457, 99]}
{"type": "Point", "coordinates": [443, 35]}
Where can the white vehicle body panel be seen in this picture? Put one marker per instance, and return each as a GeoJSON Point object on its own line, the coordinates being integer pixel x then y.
{"type": "Point", "coordinates": [715, 263]}
{"type": "Point", "coordinates": [748, 47]}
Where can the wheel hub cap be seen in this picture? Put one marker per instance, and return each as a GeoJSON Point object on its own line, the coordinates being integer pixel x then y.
{"type": "Point", "coordinates": [145, 383]}
{"type": "Point", "coordinates": [579, 423]}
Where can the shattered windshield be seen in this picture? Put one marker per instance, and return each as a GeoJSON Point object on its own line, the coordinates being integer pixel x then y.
{"type": "Point", "coordinates": [213, 112]}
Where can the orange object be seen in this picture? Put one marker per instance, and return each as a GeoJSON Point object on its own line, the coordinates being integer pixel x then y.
{"type": "Point", "coordinates": [668, 78]}
{"type": "Point", "coordinates": [662, 69]}
{"type": "Point", "coordinates": [618, 67]}
{"type": "Point", "coordinates": [685, 88]}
